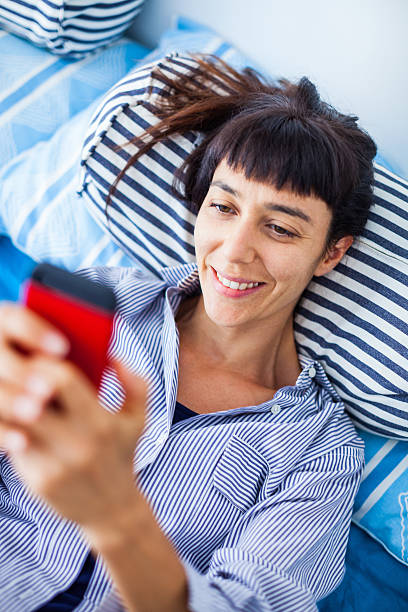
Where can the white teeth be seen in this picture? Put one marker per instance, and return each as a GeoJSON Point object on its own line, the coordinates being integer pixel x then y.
{"type": "Point", "coordinates": [235, 285]}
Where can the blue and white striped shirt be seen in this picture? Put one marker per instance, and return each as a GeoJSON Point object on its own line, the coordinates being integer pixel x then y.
{"type": "Point", "coordinates": [257, 500]}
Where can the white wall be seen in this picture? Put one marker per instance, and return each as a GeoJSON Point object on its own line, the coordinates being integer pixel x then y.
{"type": "Point", "coordinates": [356, 51]}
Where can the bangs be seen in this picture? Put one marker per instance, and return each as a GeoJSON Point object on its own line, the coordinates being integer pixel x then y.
{"type": "Point", "coordinates": [294, 153]}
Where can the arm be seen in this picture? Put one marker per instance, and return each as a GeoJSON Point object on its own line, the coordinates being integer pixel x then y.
{"type": "Point", "coordinates": [143, 564]}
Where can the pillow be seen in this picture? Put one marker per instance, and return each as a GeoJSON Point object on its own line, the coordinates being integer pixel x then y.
{"type": "Point", "coordinates": [39, 92]}
{"type": "Point", "coordinates": [381, 504]}
{"type": "Point", "coordinates": [355, 322]}
{"type": "Point", "coordinates": [373, 580]}
{"type": "Point", "coordinates": [72, 28]}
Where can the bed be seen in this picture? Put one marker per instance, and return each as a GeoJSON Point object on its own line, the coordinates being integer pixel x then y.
{"type": "Point", "coordinates": [57, 112]}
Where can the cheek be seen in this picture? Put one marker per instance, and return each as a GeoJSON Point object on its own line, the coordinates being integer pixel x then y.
{"type": "Point", "coordinates": [203, 238]}
{"type": "Point", "coordinates": [289, 266]}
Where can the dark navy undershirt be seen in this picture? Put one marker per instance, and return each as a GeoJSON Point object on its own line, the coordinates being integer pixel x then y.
{"type": "Point", "coordinates": [69, 599]}
{"type": "Point", "coordinates": [181, 412]}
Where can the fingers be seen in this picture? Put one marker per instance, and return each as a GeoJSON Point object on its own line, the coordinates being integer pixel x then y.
{"type": "Point", "coordinates": [42, 373]}
{"type": "Point", "coordinates": [17, 407]}
{"type": "Point", "coordinates": [27, 422]}
{"type": "Point", "coordinates": [22, 327]}
{"type": "Point", "coordinates": [135, 386]}
{"type": "Point", "coordinates": [25, 374]}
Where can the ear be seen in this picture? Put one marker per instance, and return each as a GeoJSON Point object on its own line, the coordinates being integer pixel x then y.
{"type": "Point", "coordinates": [333, 255]}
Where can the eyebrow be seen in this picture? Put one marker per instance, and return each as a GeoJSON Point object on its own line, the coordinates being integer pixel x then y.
{"type": "Point", "coordinates": [289, 210]}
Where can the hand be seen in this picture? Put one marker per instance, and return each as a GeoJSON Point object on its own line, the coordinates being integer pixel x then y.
{"type": "Point", "coordinates": [67, 448]}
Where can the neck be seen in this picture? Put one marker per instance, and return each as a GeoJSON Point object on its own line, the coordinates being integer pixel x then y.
{"type": "Point", "coordinates": [264, 354]}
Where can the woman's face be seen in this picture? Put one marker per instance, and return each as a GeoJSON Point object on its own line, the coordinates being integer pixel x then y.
{"type": "Point", "coordinates": [249, 232]}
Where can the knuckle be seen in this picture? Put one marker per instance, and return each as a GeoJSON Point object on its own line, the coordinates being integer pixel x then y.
{"type": "Point", "coordinates": [66, 373]}
{"type": "Point", "coordinates": [13, 368]}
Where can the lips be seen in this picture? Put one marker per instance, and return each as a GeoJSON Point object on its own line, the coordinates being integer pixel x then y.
{"type": "Point", "coordinates": [237, 280]}
{"type": "Point", "coordinates": [231, 292]}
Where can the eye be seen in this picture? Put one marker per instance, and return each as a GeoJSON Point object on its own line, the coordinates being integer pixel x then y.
{"type": "Point", "coordinates": [281, 231]}
{"type": "Point", "coordinates": [219, 207]}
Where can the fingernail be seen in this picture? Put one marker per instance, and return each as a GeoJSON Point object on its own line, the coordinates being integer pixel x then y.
{"type": "Point", "coordinates": [38, 385]}
{"type": "Point", "coordinates": [53, 343]}
{"type": "Point", "coordinates": [26, 408]}
{"type": "Point", "coordinates": [15, 441]}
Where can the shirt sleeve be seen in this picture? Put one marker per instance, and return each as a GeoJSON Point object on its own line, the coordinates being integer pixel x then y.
{"type": "Point", "coordinates": [288, 551]}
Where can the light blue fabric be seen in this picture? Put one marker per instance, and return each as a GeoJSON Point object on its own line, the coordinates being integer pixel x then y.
{"type": "Point", "coordinates": [39, 92]}
{"type": "Point", "coordinates": [39, 164]}
{"type": "Point", "coordinates": [41, 211]}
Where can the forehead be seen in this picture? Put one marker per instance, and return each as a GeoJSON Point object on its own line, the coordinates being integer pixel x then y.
{"type": "Point", "coordinates": [251, 192]}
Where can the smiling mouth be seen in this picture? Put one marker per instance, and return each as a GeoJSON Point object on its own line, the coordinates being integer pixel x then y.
{"type": "Point", "coordinates": [236, 285]}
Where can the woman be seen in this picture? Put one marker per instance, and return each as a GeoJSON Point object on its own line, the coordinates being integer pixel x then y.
{"type": "Point", "coordinates": [246, 468]}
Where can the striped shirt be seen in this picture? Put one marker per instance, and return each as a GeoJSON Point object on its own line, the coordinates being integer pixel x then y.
{"type": "Point", "coordinates": [257, 500]}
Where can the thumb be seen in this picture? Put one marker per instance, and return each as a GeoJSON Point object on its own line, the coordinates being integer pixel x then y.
{"type": "Point", "coordinates": [135, 388]}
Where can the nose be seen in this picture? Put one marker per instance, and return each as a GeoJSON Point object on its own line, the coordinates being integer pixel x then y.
{"type": "Point", "coordinates": [239, 245]}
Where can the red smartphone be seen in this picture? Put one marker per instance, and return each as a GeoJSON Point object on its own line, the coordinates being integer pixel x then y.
{"type": "Point", "coordinates": [81, 309]}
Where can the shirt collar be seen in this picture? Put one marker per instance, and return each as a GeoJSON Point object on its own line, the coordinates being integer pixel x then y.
{"type": "Point", "coordinates": [184, 277]}
{"type": "Point", "coordinates": [313, 372]}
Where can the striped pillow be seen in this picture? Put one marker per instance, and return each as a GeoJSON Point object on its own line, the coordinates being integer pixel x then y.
{"type": "Point", "coordinates": [71, 28]}
{"type": "Point", "coordinates": [353, 320]}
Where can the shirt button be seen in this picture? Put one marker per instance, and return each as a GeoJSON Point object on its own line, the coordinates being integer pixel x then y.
{"type": "Point", "coordinates": [275, 409]}
{"type": "Point", "coordinates": [161, 439]}
{"type": "Point", "coordinates": [312, 372]}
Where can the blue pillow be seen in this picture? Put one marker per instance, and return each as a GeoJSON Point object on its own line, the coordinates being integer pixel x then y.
{"type": "Point", "coordinates": [39, 92]}
{"type": "Point", "coordinates": [373, 580]}
{"type": "Point", "coordinates": [381, 504]}
{"type": "Point", "coordinates": [69, 28]}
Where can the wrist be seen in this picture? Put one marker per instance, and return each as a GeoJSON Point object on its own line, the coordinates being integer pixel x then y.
{"type": "Point", "coordinates": [142, 561]}
{"type": "Point", "coordinates": [115, 530]}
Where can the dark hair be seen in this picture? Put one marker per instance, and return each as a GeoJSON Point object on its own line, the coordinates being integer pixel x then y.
{"type": "Point", "coordinates": [280, 133]}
